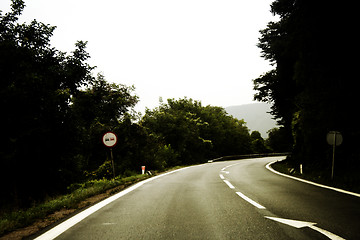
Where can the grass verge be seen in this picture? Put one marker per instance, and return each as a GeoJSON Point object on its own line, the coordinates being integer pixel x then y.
{"type": "Point", "coordinates": [24, 223]}
{"type": "Point", "coordinates": [52, 210]}
{"type": "Point", "coordinates": [349, 181]}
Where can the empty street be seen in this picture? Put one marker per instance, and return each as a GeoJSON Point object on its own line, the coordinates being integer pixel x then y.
{"type": "Point", "coordinates": [238, 199]}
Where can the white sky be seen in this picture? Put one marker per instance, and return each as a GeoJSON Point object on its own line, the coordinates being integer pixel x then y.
{"type": "Point", "coordinates": [202, 49]}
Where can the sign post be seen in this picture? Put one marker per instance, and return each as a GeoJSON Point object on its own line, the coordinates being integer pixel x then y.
{"type": "Point", "coordinates": [333, 138]}
{"type": "Point", "coordinates": [109, 140]}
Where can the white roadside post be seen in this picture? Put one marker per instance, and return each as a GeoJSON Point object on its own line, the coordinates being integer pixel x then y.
{"type": "Point", "coordinates": [143, 170]}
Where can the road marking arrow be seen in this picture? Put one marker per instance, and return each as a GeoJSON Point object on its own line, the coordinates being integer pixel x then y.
{"type": "Point", "coordinates": [301, 224]}
{"type": "Point", "coordinates": [293, 223]}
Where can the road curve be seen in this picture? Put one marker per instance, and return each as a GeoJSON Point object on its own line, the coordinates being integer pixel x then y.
{"type": "Point", "coordinates": [222, 200]}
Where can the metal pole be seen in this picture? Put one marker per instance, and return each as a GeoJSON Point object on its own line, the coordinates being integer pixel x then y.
{"type": "Point", "coordinates": [333, 158]}
{"type": "Point", "coordinates": [112, 161]}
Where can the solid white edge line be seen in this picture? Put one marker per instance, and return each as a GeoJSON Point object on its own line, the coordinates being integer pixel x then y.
{"type": "Point", "coordinates": [62, 227]}
{"type": "Point", "coordinates": [268, 166]}
{"type": "Point", "coordinates": [250, 201]}
{"type": "Point", "coordinates": [229, 184]}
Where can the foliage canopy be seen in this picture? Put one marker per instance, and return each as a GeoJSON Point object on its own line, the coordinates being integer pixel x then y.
{"type": "Point", "coordinates": [312, 82]}
{"type": "Point", "coordinates": [195, 132]}
{"type": "Point", "coordinates": [56, 112]}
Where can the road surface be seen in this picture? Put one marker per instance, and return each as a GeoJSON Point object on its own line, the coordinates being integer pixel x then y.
{"type": "Point", "coordinates": [222, 200]}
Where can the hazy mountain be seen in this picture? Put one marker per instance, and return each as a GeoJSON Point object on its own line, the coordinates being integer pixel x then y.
{"type": "Point", "coordinates": [256, 116]}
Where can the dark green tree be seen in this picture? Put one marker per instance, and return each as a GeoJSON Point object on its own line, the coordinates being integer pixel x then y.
{"type": "Point", "coordinates": [178, 124]}
{"type": "Point", "coordinates": [101, 107]}
{"type": "Point", "coordinates": [37, 82]}
{"type": "Point", "coordinates": [197, 133]}
{"type": "Point", "coordinates": [311, 84]}
{"type": "Point", "coordinates": [258, 143]}
{"type": "Point", "coordinates": [278, 141]}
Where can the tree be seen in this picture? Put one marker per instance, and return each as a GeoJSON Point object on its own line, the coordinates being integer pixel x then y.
{"type": "Point", "coordinates": [277, 140]}
{"type": "Point", "coordinates": [229, 135]}
{"type": "Point", "coordinates": [36, 86]}
{"type": "Point", "coordinates": [177, 124]}
{"type": "Point", "coordinates": [197, 133]}
{"type": "Point", "coordinates": [310, 85]}
{"type": "Point", "coordinates": [101, 107]}
{"type": "Point", "coordinates": [258, 143]}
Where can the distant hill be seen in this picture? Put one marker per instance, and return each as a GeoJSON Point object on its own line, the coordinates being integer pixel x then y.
{"type": "Point", "coordinates": [256, 116]}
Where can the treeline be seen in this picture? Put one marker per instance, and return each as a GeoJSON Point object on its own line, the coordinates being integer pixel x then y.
{"type": "Point", "coordinates": [55, 112]}
{"type": "Point", "coordinates": [312, 86]}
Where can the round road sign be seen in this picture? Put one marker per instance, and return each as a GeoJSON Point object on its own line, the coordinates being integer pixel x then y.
{"type": "Point", "coordinates": [334, 137]}
{"type": "Point", "coordinates": [109, 139]}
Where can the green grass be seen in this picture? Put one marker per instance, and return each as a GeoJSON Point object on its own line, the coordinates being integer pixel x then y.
{"type": "Point", "coordinates": [12, 220]}
{"type": "Point", "coordinates": [79, 192]}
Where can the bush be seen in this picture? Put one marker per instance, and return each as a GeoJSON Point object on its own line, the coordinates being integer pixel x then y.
{"type": "Point", "coordinates": [164, 157]}
{"type": "Point", "coordinates": [104, 171]}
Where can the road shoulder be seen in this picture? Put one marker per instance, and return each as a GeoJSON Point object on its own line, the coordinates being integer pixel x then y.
{"type": "Point", "coordinates": [268, 166]}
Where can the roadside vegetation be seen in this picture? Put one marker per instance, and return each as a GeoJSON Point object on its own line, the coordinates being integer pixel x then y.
{"type": "Point", "coordinates": [77, 198]}
{"type": "Point", "coordinates": [56, 110]}
{"type": "Point", "coordinates": [346, 182]}
{"type": "Point", "coordinates": [312, 84]}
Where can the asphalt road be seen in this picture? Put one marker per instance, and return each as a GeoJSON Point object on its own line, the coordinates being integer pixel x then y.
{"type": "Point", "coordinates": [224, 200]}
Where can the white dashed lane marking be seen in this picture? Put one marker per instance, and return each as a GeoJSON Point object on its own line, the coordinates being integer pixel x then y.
{"type": "Point", "coordinates": [229, 184]}
{"type": "Point", "coordinates": [290, 222]}
{"type": "Point", "coordinates": [250, 201]}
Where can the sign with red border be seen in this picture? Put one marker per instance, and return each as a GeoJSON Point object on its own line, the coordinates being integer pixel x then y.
{"type": "Point", "coordinates": [109, 139]}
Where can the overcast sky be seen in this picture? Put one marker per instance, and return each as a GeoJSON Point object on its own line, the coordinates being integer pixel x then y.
{"type": "Point", "coordinates": [202, 49]}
